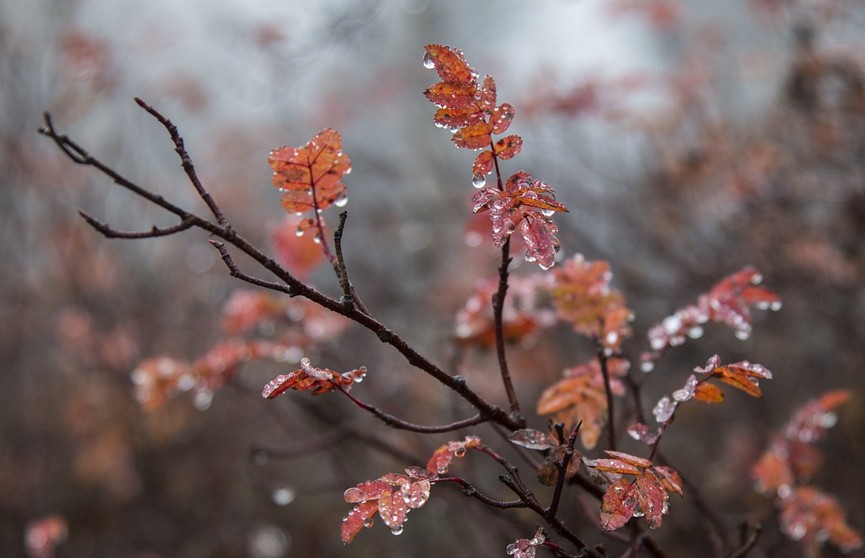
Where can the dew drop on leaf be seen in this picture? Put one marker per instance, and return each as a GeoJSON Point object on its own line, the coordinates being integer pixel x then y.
{"type": "Point", "coordinates": [742, 334]}
{"type": "Point", "coordinates": [428, 62]}
{"type": "Point", "coordinates": [341, 202]}
{"type": "Point", "coordinates": [203, 399]}
{"type": "Point", "coordinates": [368, 522]}
{"type": "Point", "coordinates": [647, 366]}
{"type": "Point", "coordinates": [776, 305]}
{"type": "Point", "coordinates": [460, 451]}
{"type": "Point", "coordinates": [396, 530]}
{"type": "Point", "coordinates": [298, 232]}
{"type": "Point", "coordinates": [547, 212]}
{"type": "Point", "coordinates": [479, 181]}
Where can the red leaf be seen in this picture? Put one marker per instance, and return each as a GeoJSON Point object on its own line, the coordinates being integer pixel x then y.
{"type": "Point", "coordinates": [810, 422]}
{"type": "Point", "coordinates": [583, 298]}
{"type": "Point", "coordinates": [619, 504]}
{"type": "Point", "coordinates": [458, 118]}
{"type": "Point", "coordinates": [483, 164]}
{"type": "Point", "coordinates": [43, 535]}
{"type": "Point", "coordinates": [358, 518]}
{"type": "Point", "coordinates": [628, 458]}
{"type": "Point", "coordinates": [299, 253]}
{"type": "Point", "coordinates": [744, 376]}
{"type": "Point", "coordinates": [501, 119]}
{"type": "Point", "coordinates": [508, 147]}
{"type": "Point", "coordinates": [307, 377]}
{"type": "Point", "coordinates": [708, 393]}
{"type": "Point", "coordinates": [670, 479]}
{"type": "Point", "coordinates": [652, 500]}
{"type": "Point", "coordinates": [487, 94]}
{"type": "Point", "coordinates": [310, 176]}
{"type": "Point", "coordinates": [440, 461]}
{"type": "Point", "coordinates": [450, 63]}
{"type": "Point", "coordinates": [525, 548]}
{"type": "Point", "coordinates": [475, 136]}
{"type": "Point", "coordinates": [454, 96]}
{"type": "Point", "coordinates": [813, 518]}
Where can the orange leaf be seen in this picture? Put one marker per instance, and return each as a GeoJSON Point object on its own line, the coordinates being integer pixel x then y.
{"type": "Point", "coordinates": [476, 136]}
{"type": "Point", "coordinates": [708, 393]}
{"type": "Point", "coordinates": [440, 461]}
{"type": "Point", "coordinates": [358, 518]}
{"type": "Point", "coordinates": [450, 63]}
{"type": "Point", "coordinates": [619, 504]}
{"type": "Point", "coordinates": [507, 148]}
{"type": "Point", "coordinates": [309, 378]}
{"type": "Point", "coordinates": [310, 176]}
{"type": "Point", "coordinates": [455, 96]}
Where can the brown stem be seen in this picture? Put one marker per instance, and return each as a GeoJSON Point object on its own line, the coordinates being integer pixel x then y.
{"type": "Point", "coordinates": [563, 469]}
{"type": "Point", "coordinates": [605, 372]}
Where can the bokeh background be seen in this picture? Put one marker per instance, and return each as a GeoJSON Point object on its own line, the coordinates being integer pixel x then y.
{"type": "Point", "coordinates": [688, 139]}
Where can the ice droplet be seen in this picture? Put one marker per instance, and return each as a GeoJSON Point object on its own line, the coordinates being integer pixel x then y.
{"type": "Point", "coordinates": [283, 496]}
{"type": "Point", "coordinates": [428, 61]}
{"type": "Point", "coordinates": [479, 181]}
{"type": "Point", "coordinates": [397, 530]}
{"type": "Point", "coordinates": [341, 202]}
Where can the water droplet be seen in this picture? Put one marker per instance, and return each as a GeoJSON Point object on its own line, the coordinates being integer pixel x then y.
{"type": "Point", "coordinates": [298, 214]}
{"type": "Point", "coordinates": [479, 180]}
{"type": "Point", "coordinates": [742, 334]}
{"type": "Point", "coordinates": [283, 496]}
{"type": "Point", "coordinates": [428, 61]}
{"type": "Point", "coordinates": [368, 522]}
{"type": "Point", "coordinates": [186, 382]}
{"type": "Point", "coordinates": [442, 469]}
{"type": "Point", "coordinates": [511, 549]}
{"type": "Point", "coordinates": [298, 232]}
{"type": "Point", "coordinates": [460, 451]}
{"type": "Point", "coordinates": [316, 239]}
{"type": "Point", "coordinates": [341, 202]}
{"type": "Point", "coordinates": [695, 332]}
{"type": "Point", "coordinates": [203, 399]}
{"type": "Point", "coordinates": [547, 212]}
{"type": "Point", "coordinates": [647, 366]}
{"type": "Point", "coordinates": [776, 305]}
{"type": "Point", "coordinates": [397, 530]}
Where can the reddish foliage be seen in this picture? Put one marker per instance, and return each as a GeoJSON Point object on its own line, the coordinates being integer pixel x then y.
{"type": "Point", "coordinates": [807, 514]}
{"type": "Point", "coordinates": [309, 177]}
{"type": "Point", "coordinates": [522, 320]}
{"type": "Point", "coordinates": [297, 252]}
{"type": "Point", "coordinates": [440, 461]}
{"type": "Point", "coordinates": [729, 301]}
{"type": "Point", "coordinates": [646, 495]}
{"type": "Point", "coordinates": [580, 396]}
{"type": "Point", "coordinates": [525, 548]}
{"type": "Point", "coordinates": [44, 534]}
{"type": "Point", "coordinates": [309, 378]}
{"type": "Point", "coordinates": [583, 298]}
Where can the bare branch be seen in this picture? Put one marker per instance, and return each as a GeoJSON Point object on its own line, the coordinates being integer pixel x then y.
{"type": "Point", "coordinates": [235, 271]}
{"type": "Point", "coordinates": [398, 423]}
{"type": "Point", "coordinates": [186, 162]}
{"type": "Point", "coordinates": [563, 469]}
{"type": "Point", "coordinates": [109, 232]}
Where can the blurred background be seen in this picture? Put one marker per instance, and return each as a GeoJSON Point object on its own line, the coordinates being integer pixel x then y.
{"type": "Point", "coordinates": [688, 139]}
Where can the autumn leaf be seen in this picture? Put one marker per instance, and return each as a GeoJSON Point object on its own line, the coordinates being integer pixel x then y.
{"type": "Point", "coordinates": [814, 518]}
{"type": "Point", "coordinates": [581, 396]}
{"type": "Point", "coordinates": [646, 495]}
{"type": "Point", "coordinates": [525, 548]}
{"type": "Point", "coordinates": [729, 301]}
{"type": "Point", "coordinates": [741, 375]}
{"type": "Point", "coordinates": [531, 439]}
{"type": "Point", "coordinates": [296, 251]}
{"type": "Point", "coordinates": [583, 298]}
{"type": "Point", "coordinates": [310, 176]}
{"type": "Point", "coordinates": [309, 378]}
{"type": "Point", "coordinates": [440, 461]}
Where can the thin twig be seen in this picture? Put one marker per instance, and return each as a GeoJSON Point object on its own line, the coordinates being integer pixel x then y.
{"type": "Point", "coordinates": [235, 271]}
{"type": "Point", "coordinates": [186, 162]}
{"type": "Point", "coordinates": [349, 294]}
{"type": "Point", "coordinates": [470, 490]}
{"type": "Point", "coordinates": [750, 540]}
{"type": "Point", "coordinates": [398, 423]}
{"type": "Point", "coordinates": [605, 372]}
{"type": "Point", "coordinates": [109, 232]}
{"type": "Point", "coordinates": [563, 469]}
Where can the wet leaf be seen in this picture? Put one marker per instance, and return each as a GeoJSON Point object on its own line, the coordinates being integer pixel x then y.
{"type": "Point", "coordinates": [531, 439]}
{"type": "Point", "coordinates": [508, 147]}
{"type": "Point", "coordinates": [309, 378]}
{"type": "Point", "coordinates": [451, 65]}
{"type": "Point", "coordinates": [618, 505]}
{"type": "Point", "coordinates": [501, 119]}
{"type": "Point", "coordinates": [359, 517]}
{"type": "Point", "coordinates": [440, 461]}
{"type": "Point", "coordinates": [708, 393]}
{"type": "Point", "coordinates": [309, 177]}
{"type": "Point", "coordinates": [483, 164]}
{"type": "Point", "coordinates": [474, 136]}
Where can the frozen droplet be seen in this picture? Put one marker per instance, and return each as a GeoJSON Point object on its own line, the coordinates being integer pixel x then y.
{"type": "Point", "coordinates": [283, 496]}
{"type": "Point", "coordinates": [428, 61]}
{"type": "Point", "coordinates": [341, 202]}
{"type": "Point", "coordinates": [828, 420]}
{"type": "Point", "coordinates": [671, 324]}
{"type": "Point", "coordinates": [666, 508]}
{"type": "Point", "coordinates": [797, 531]}
{"type": "Point", "coordinates": [479, 180]}
{"type": "Point", "coordinates": [396, 530]}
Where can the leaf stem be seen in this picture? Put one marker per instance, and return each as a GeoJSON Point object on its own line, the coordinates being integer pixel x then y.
{"type": "Point", "coordinates": [605, 372]}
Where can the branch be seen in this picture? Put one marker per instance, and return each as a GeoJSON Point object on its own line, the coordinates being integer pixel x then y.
{"type": "Point", "coordinates": [605, 372]}
{"type": "Point", "coordinates": [109, 232]}
{"type": "Point", "coordinates": [186, 162]}
{"type": "Point", "coordinates": [235, 271]}
{"type": "Point", "coordinates": [750, 540]}
{"type": "Point", "coordinates": [470, 490]}
{"type": "Point", "coordinates": [349, 295]}
{"type": "Point", "coordinates": [395, 422]}
{"type": "Point", "coordinates": [563, 468]}
{"type": "Point", "coordinates": [295, 287]}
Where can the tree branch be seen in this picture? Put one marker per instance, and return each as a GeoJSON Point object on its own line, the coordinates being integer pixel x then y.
{"type": "Point", "coordinates": [109, 232]}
